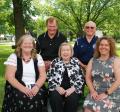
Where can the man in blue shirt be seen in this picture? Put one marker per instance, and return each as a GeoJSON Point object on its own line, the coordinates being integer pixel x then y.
{"type": "Point", "coordinates": [84, 46]}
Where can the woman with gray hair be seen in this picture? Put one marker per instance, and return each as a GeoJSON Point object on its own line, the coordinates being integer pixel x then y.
{"type": "Point", "coordinates": [65, 81]}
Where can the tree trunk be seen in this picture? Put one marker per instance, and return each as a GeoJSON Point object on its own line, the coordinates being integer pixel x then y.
{"type": "Point", "coordinates": [18, 18]}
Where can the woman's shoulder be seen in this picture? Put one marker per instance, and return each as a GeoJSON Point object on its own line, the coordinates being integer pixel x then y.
{"type": "Point", "coordinates": [11, 60]}
{"type": "Point", "coordinates": [74, 58]}
{"type": "Point", "coordinates": [39, 57]}
{"type": "Point", "coordinates": [57, 59]}
{"type": "Point", "coordinates": [40, 60]}
{"type": "Point", "coordinates": [13, 56]}
{"type": "Point", "coordinates": [117, 60]}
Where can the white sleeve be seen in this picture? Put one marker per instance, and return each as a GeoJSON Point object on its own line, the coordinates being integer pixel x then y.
{"type": "Point", "coordinates": [40, 60]}
{"type": "Point", "coordinates": [12, 60]}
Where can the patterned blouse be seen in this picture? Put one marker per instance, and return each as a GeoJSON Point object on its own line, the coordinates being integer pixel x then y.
{"type": "Point", "coordinates": [56, 71]}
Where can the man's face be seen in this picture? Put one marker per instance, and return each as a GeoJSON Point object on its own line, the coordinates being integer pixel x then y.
{"type": "Point", "coordinates": [52, 27]}
{"type": "Point", "coordinates": [90, 29]}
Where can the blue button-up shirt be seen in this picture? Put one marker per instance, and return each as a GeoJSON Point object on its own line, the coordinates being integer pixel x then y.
{"type": "Point", "coordinates": [84, 50]}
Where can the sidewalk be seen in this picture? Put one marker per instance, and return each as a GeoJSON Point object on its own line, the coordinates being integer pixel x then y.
{"type": "Point", "coordinates": [7, 43]}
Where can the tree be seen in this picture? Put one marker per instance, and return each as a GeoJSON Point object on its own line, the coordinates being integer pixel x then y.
{"type": "Point", "coordinates": [18, 18]}
{"type": "Point", "coordinates": [6, 26]}
{"type": "Point", "coordinates": [23, 12]}
{"type": "Point", "coordinates": [74, 13]}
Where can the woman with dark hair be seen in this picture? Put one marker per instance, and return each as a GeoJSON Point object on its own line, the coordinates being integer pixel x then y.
{"type": "Point", "coordinates": [25, 74]}
{"type": "Point", "coordinates": [103, 78]}
{"type": "Point", "coordinates": [65, 81]}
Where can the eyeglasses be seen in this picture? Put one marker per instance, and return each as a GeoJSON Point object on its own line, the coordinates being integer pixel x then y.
{"type": "Point", "coordinates": [89, 27]}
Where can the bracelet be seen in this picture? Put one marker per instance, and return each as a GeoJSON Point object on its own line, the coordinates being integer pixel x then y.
{"type": "Point", "coordinates": [37, 86]}
{"type": "Point", "coordinates": [106, 92]}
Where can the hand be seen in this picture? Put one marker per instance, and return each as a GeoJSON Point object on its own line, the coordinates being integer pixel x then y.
{"type": "Point", "coordinates": [27, 92]}
{"type": "Point", "coordinates": [47, 65]}
{"type": "Point", "coordinates": [94, 95]}
{"type": "Point", "coordinates": [60, 90]}
{"type": "Point", "coordinates": [101, 96]}
{"type": "Point", "coordinates": [34, 90]}
{"type": "Point", "coordinates": [69, 91]}
{"type": "Point", "coordinates": [85, 66]}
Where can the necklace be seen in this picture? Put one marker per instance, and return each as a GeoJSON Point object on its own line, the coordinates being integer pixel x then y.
{"type": "Point", "coordinates": [26, 60]}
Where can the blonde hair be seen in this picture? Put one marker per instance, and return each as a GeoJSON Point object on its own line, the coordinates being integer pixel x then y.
{"type": "Point", "coordinates": [111, 42]}
{"type": "Point", "coordinates": [18, 49]}
{"type": "Point", "coordinates": [52, 19]}
{"type": "Point", "coordinates": [65, 44]}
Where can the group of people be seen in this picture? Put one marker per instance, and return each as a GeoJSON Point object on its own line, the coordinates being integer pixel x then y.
{"type": "Point", "coordinates": [92, 61]}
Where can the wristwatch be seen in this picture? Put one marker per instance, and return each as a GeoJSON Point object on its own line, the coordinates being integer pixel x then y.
{"type": "Point", "coordinates": [106, 92]}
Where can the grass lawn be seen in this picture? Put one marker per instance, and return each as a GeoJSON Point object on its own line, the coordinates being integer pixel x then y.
{"type": "Point", "coordinates": [5, 51]}
{"type": "Point", "coordinates": [2, 82]}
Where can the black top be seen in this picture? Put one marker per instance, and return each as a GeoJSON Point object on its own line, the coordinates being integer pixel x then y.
{"type": "Point", "coordinates": [66, 80]}
{"type": "Point", "coordinates": [47, 47]}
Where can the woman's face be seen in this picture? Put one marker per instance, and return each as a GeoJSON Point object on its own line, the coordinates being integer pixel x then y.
{"type": "Point", "coordinates": [66, 52]}
{"type": "Point", "coordinates": [104, 47]}
{"type": "Point", "coordinates": [27, 45]}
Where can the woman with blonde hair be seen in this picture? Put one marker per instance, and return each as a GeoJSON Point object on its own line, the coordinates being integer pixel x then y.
{"type": "Point", "coordinates": [25, 75]}
{"type": "Point", "coordinates": [65, 81]}
{"type": "Point", "coordinates": [103, 78]}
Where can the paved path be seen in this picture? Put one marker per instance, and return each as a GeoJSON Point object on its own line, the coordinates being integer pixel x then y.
{"type": "Point", "coordinates": [7, 43]}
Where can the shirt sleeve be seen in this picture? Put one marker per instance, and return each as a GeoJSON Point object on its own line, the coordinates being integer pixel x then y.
{"type": "Point", "coordinates": [38, 46]}
{"type": "Point", "coordinates": [75, 48]}
{"type": "Point", "coordinates": [40, 60]}
{"type": "Point", "coordinates": [12, 60]}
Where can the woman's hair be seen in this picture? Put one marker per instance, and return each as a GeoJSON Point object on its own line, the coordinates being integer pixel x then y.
{"type": "Point", "coordinates": [18, 49]}
{"type": "Point", "coordinates": [65, 44]}
{"type": "Point", "coordinates": [111, 42]}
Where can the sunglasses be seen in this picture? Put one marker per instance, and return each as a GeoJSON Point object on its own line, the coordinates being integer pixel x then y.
{"type": "Point", "coordinates": [89, 27]}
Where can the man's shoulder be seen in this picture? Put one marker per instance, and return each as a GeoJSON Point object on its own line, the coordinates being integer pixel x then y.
{"type": "Point", "coordinates": [80, 39]}
{"type": "Point", "coordinates": [95, 37]}
{"type": "Point", "coordinates": [61, 34]}
{"type": "Point", "coordinates": [41, 36]}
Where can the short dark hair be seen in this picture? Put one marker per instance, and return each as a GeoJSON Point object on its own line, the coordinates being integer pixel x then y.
{"type": "Point", "coordinates": [51, 19]}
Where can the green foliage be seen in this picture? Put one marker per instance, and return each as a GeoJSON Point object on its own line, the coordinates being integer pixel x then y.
{"type": "Point", "coordinates": [5, 17]}
{"type": "Point", "coordinates": [5, 51]}
{"type": "Point", "coordinates": [74, 13]}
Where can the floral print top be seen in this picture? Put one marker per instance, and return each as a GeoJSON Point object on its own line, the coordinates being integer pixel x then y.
{"type": "Point", "coordinates": [103, 77]}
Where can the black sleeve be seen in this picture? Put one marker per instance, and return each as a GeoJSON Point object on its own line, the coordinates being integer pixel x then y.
{"type": "Point", "coordinates": [64, 39]}
{"type": "Point", "coordinates": [38, 45]}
